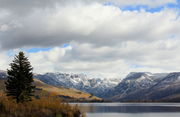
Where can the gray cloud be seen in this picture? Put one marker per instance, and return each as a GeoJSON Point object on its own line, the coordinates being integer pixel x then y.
{"type": "Point", "coordinates": [22, 6]}
{"type": "Point", "coordinates": [95, 23]}
{"type": "Point", "coordinates": [103, 39]}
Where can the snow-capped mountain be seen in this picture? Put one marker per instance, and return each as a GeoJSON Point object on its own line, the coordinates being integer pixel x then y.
{"type": "Point", "coordinates": [141, 80]}
{"type": "Point", "coordinates": [95, 86]}
{"type": "Point", "coordinates": [146, 86]}
{"type": "Point", "coordinates": [136, 86]}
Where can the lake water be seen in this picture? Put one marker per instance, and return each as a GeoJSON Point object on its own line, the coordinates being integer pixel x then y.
{"type": "Point", "coordinates": [131, 109]}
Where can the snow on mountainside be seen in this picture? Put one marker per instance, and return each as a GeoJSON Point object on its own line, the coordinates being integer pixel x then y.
{"type": "Point", "coordinates": [146, 86]}
{"type": "Point", "coordinates": [96, 86]}
{"type": "Point", "coordinates": [137, 86]}
{"type": "Point", "coordinates": [142, 80]}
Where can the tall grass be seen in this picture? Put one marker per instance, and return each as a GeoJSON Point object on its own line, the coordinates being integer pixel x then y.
{"type": "Point", "coordinates": [44, 107]}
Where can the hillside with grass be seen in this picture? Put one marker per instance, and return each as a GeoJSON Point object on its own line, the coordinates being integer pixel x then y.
{"type": "Point", "coordinates": [45, 103]}
{"type": "Point", "coordinates": [65, 94]}
{"type": "Point", "coordinates": [48, 101]}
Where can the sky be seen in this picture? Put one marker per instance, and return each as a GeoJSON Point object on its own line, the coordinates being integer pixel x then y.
{"type": "Point", "coordinates": [101, 38]}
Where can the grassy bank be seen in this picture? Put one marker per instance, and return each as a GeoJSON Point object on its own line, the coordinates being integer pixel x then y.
{"type": "Point", "coordinates": [44, 107]}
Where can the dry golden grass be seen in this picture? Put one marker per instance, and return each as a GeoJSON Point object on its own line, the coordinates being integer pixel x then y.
{"type": "Point", "coordinates": [48, 105]}
{"type": "Point", "coordinates": [72, 93]}
{"type": "Point", "coordinates": [44, 107]}
{"type": "Point", "coordinates": [47, 90]}
{"type": "Point", "coordinates": [2, 85]}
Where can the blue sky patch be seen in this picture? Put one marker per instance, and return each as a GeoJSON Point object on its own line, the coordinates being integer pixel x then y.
{"type": "Point", "coordinates": [146, 7]}
{"type": "Point", "coordinates": [137, 66]}
{"type": "Point", "coordinates": [66, 45]}
{"type": "Point", "coordinates": [34, 50]}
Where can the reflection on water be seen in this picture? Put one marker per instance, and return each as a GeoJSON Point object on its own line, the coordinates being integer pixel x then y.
{"type": "Point", "coordinates": [133, 115]}
{"type": "Point", "coordinates": [131, 109]}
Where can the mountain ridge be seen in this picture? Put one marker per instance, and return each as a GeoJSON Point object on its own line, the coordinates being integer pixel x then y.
{"type": "Point", "coordinates": [95, 86]}
{"type": "Point", "coordinates": [44, 90]}
{"type": "Point", "coordinates": [156, 89]}
{"type": "Point", "coordinates": [136, 86]}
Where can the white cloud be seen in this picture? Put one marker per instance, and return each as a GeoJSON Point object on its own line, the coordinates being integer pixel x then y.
{"type": "Point", "coordinates": [4, 64]}
{"type": "Point", "coordinates": [104, 39]}
{"type": "Point", "coordinates": [90, 23]}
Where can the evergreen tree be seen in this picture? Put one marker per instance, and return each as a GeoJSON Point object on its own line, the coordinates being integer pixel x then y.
{"type": "Point", "coordinates": [20, 78]}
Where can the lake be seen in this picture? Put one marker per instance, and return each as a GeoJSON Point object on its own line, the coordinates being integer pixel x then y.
{"type": "Point", "coordinates": [131, 109]}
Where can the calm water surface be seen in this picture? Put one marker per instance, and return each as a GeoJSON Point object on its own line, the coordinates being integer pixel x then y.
{"type": "Point", "coordinates": [131, 109]}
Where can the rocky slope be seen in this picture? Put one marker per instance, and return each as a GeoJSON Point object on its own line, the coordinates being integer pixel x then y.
{"type": "Point", "coordinates": [95, 86]}
{"type": "Point", "coordinates": [137, 86]}
{"type": "Point", "coordinates": [45, 90]}
{"type": "Point", "coordinates": [147, 87]}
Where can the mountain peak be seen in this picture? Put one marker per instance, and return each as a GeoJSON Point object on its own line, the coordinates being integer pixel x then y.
{"type": "Point", "coordinates": [96, 86]}
{"type": "Point", "coordinates": [135, 75]}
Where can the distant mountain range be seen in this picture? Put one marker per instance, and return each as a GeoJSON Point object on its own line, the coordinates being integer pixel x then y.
{"type": "Point", "coordinates": [44, 90]}
{"type": "Point", "coordinates": [95, 86]}
{"type": "Point", "coordinates": [135, 87]}
{"type": "Point", "coordinates": [145, 86]}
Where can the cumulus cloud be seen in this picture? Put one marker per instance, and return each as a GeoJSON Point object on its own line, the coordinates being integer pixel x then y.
{"type": "Point", "coordinates": [4, 61]}
{"type": "Point", "coordinates": [103, 38]}
{"type": "Point", "coordinates": [93, 23]}
{"type": "Point", "coordinates": [23, 7]}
